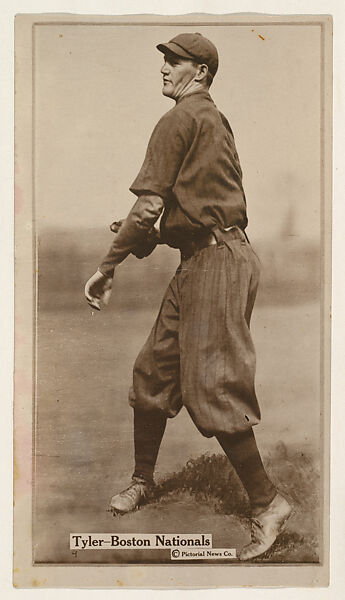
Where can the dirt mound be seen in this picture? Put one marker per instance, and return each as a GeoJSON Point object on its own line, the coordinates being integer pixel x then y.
{"type": "Point", "coordinates": [210, 480]}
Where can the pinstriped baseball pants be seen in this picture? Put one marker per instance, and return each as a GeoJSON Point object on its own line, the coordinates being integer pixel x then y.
{"type": "Point", "coordinates": [200, 353]}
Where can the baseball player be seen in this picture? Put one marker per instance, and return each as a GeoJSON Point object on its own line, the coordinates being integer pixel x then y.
{"type": "Point", "coordinates": [199, 353]}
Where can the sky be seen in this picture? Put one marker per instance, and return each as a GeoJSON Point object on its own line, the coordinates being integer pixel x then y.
{"type": "Point", "coordinates": [98, 97]}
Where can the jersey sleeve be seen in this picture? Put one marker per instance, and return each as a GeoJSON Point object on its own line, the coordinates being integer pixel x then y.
{"type": "Point", "coordinates": [165, 153]}
{"type": "Point", "coordinates": [133, 231]}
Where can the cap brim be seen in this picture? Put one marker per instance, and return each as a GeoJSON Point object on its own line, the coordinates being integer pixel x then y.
{"type": "Point", "coordinates": [175, 49]}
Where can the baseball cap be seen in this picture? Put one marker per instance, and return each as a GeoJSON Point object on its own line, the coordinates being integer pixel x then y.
{"type": "Point", "coordinates": [193, 46]}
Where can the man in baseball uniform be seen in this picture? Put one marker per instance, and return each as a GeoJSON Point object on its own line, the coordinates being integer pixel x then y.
{"type": "Point", "coordinates": [199, 353]}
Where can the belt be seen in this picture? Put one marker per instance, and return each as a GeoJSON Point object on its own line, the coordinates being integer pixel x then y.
{"type": "Point", "coordinates": [211, 238]}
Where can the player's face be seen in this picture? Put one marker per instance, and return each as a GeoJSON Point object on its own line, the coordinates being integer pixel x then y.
{"type": "Point", "coordinates": [177, 74]}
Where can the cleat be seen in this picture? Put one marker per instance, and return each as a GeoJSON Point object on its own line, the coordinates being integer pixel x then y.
{"type": "Point", "coordinates": [130, 498]}
{"type": "Point", "coordinates": [266, 525]}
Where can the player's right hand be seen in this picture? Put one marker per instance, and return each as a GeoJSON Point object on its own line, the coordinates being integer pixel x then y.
{"type": "Point", "coordinates": [98, 289]}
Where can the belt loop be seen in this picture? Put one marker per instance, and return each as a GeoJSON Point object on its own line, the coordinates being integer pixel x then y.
{"type": "Point", "coordinates": [218, 234]}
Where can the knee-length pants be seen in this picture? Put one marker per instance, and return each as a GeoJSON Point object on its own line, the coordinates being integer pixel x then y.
{"type": "Point", "coordinates": [200, 353]}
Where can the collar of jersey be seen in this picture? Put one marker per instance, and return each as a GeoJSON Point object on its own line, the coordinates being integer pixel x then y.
{"type": "Point", "coordinates": [195, 96]}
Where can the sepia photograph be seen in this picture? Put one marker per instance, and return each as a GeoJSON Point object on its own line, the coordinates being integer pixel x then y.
{"type": "Point", "coordinates": [173, 235]}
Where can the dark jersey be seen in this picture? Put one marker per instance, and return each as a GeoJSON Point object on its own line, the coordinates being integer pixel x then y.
{"type": "Point", "coordinates": [191, 173]}
{"type": "Point", "coordinates": [192, 163]}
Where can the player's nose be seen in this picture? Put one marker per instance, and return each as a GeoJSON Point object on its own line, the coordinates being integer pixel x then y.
{"type": "Point", "coordinates": [165, 68]}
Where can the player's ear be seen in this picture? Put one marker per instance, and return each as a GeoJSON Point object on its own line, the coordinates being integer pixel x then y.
{"type": "Point", "coordinates": [201, 74]}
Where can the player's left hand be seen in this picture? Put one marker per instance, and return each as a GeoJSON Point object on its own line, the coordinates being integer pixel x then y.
{"type": "Point", "coordinates": [146, 246]}
{"type": "Point", "coordinates": [98, 289]}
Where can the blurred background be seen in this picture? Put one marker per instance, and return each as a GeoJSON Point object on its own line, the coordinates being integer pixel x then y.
{"type": "Point", "coordinates": [97, 99]}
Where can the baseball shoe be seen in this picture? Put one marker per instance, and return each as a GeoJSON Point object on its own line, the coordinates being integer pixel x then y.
{"type": "Point", "coordinates": [265, 527]}
{"type": "Point", "coordinates": [130, 498]}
